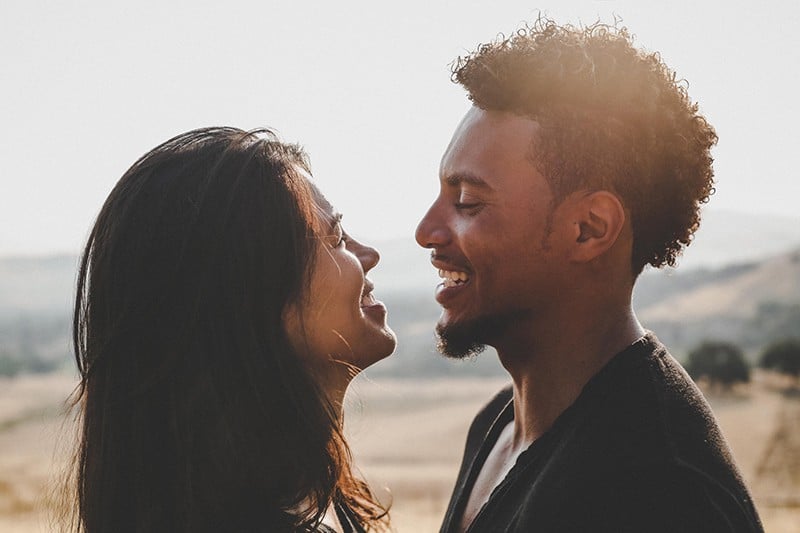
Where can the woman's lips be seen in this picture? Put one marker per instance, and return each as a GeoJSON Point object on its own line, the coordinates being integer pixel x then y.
{"type": "Point", "coordinates": [376, 311]}
{"type": "Point", "coordinates": [371, 306]}
{"type": "Point", "coordinates": [368, 300]}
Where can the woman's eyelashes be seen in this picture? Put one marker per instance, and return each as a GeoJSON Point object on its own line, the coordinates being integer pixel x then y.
{"type": "Point", "coordinates": [339, 236]}
{"type": "Point", "coordinates": [342, 241]}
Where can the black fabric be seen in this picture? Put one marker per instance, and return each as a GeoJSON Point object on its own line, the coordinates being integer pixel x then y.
{"type": "Point", "coordinates": [638, 451]}
{"type": "Point", "coordinates": [347, 520]}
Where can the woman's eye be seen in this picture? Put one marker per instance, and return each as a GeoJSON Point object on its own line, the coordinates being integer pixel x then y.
{"type": "Point", "coordinates": [340, 237]}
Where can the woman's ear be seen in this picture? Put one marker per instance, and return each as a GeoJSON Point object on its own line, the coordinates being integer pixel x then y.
{"type": "Point", "coordinates": [598, 220]}
{"type": "Point", "coordinates": [293, 325]}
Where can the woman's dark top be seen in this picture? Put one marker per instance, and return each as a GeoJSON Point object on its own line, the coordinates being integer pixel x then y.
{"type": "Point", "coordinates": [346, 519]}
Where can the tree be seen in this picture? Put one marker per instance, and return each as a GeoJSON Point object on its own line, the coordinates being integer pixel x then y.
{"type": "Point", "coordinates": [720, 363]}
{"type": "Point", "coordinates": [782, 356]}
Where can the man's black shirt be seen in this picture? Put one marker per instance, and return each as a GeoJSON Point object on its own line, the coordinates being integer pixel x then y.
{"type": "Point", "coordinates": [638, 451]}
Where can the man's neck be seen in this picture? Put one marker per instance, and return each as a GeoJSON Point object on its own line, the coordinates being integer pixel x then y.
{"type": "Point", "coordinates": [550, 365]}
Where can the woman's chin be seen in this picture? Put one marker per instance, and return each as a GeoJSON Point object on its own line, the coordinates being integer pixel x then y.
{"type": "Point", "coordinates": [381, 347]}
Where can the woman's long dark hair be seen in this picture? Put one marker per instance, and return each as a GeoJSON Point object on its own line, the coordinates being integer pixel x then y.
{"type": "Point", "coordinates": [196, 413]}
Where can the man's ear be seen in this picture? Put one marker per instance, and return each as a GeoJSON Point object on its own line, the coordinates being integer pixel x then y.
{"type": "Point", "coordinates": [598, 220]}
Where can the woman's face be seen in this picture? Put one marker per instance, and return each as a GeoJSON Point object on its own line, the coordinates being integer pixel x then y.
{"type": "Point", "coordinates": [339, 319]}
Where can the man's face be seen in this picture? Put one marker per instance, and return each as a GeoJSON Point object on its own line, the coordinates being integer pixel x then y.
{"type": "Point", "coordinates": [489, 232]}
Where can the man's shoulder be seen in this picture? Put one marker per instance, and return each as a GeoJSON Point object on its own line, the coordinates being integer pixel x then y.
{"type": "Point", "coordinates": [651, 403]}
{"type": "Point", "coordinates": [657, 497]}
{"type": "Point", "coordinates": [644, 387]}
{"type": "Point", "coordinates": [644, 430]}
{"type": "Point", "coordinates": [674, 496]}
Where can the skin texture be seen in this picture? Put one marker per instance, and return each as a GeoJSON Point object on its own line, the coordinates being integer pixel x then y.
{"type": "Point", "coordinates": [549, 283]}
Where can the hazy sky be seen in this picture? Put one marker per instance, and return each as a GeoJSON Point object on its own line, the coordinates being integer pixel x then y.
{"type": "Point", "coordinates": [87, 87]}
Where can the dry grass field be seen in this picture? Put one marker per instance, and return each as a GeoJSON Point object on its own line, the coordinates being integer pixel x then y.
{"type": "Point", "coordinates": [407, 436]}
{"type": "Point", "coordinates": [31, 427]}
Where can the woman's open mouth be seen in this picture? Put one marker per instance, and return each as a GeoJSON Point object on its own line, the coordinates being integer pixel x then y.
{"type": "Point", "coordinates": [369, 305]}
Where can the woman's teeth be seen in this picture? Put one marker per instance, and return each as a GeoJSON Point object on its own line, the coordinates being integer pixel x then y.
{"type": "Point", "coordinates": [367, 300]}
{"type": "Point", "coordinates": [452, 278]}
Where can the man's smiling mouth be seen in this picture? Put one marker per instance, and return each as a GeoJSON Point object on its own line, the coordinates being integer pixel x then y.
{"type": "Point", "coordinates": [453, 278]}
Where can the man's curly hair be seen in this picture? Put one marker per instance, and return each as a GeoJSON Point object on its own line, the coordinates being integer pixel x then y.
{"type": "Point", "coordinates": [611, 117]}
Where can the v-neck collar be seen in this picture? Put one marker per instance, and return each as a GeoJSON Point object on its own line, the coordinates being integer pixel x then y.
{"type": "Point", "coordinates": [528, 456]}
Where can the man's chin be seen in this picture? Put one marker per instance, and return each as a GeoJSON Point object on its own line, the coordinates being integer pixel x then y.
{"type": "Point", "coordinates": [468, 338]}
{"type": "Point", "coordinates": [461, 340]}
{"type": "Point", "coordinates": [457, 341]}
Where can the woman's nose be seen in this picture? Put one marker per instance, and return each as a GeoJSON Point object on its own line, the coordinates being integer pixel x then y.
{"type": "Point", "coordinates": [367, 255]}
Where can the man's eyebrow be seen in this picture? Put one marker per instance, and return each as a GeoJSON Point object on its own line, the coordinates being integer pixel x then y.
{"type": "Point", "coordinates": [454, 180]}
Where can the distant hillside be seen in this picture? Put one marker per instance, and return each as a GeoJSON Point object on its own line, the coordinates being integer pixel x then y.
{"type": "Point", "coordinates": [735, 284]}
{"type": "Point", "coordinates": [748, 304]}
{"type": "Point", "coordinates": [727, 238]}
{"type": "Point", "coordinates": [737, 291]}
{"type": "Point", "coordinates": [36, 285]}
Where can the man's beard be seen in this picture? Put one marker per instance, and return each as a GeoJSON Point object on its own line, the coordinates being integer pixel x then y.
{"type": "Point", "coordinates": [469, 338]}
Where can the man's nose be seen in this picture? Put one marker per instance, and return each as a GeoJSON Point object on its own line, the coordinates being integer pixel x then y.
{"type": "Point", "coordinates": [432, 232]}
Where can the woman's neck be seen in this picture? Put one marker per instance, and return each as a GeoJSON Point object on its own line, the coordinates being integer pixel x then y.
{"type": "Point", "coordinates": [334, 380]}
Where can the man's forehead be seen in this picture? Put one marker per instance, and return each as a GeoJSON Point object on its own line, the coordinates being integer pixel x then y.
{"type": "Point", "coordinates": [485, 139]}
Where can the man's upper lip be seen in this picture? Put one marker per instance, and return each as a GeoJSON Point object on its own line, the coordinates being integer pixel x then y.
{"type": "Point", "coordinates": [444, 265]}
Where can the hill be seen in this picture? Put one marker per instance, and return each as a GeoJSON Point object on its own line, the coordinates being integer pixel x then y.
{"type": "Point", "coordinates": [749, 304]}
{"type": "Point", "coordinates": [36, 285]}
{"type": "Point", "coordinates": [748, 293]}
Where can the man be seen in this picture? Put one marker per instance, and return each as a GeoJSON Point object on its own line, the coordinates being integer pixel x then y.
{"type": "Point", "coordinates": [581, 161]}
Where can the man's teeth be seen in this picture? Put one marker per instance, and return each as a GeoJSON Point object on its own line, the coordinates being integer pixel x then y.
{"type": "Point", "coordinates": [367, 300]}
{"type": "Point", "coordinates": [452, 278]}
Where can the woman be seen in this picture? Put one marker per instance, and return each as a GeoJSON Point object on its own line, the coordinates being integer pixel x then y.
{"type": "Point", "coordinates": [221, 312]}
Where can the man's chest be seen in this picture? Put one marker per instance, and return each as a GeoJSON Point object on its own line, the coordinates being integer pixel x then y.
{"type": "Point", "coordinates": [498, 464]}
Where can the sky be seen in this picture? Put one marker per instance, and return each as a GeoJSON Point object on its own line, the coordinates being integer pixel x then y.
{"type": "Point", "coordinates": [87, 87]}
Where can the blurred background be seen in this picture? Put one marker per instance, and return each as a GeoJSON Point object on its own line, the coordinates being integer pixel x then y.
{"type": "Point", "coordinates": [89, 86]}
